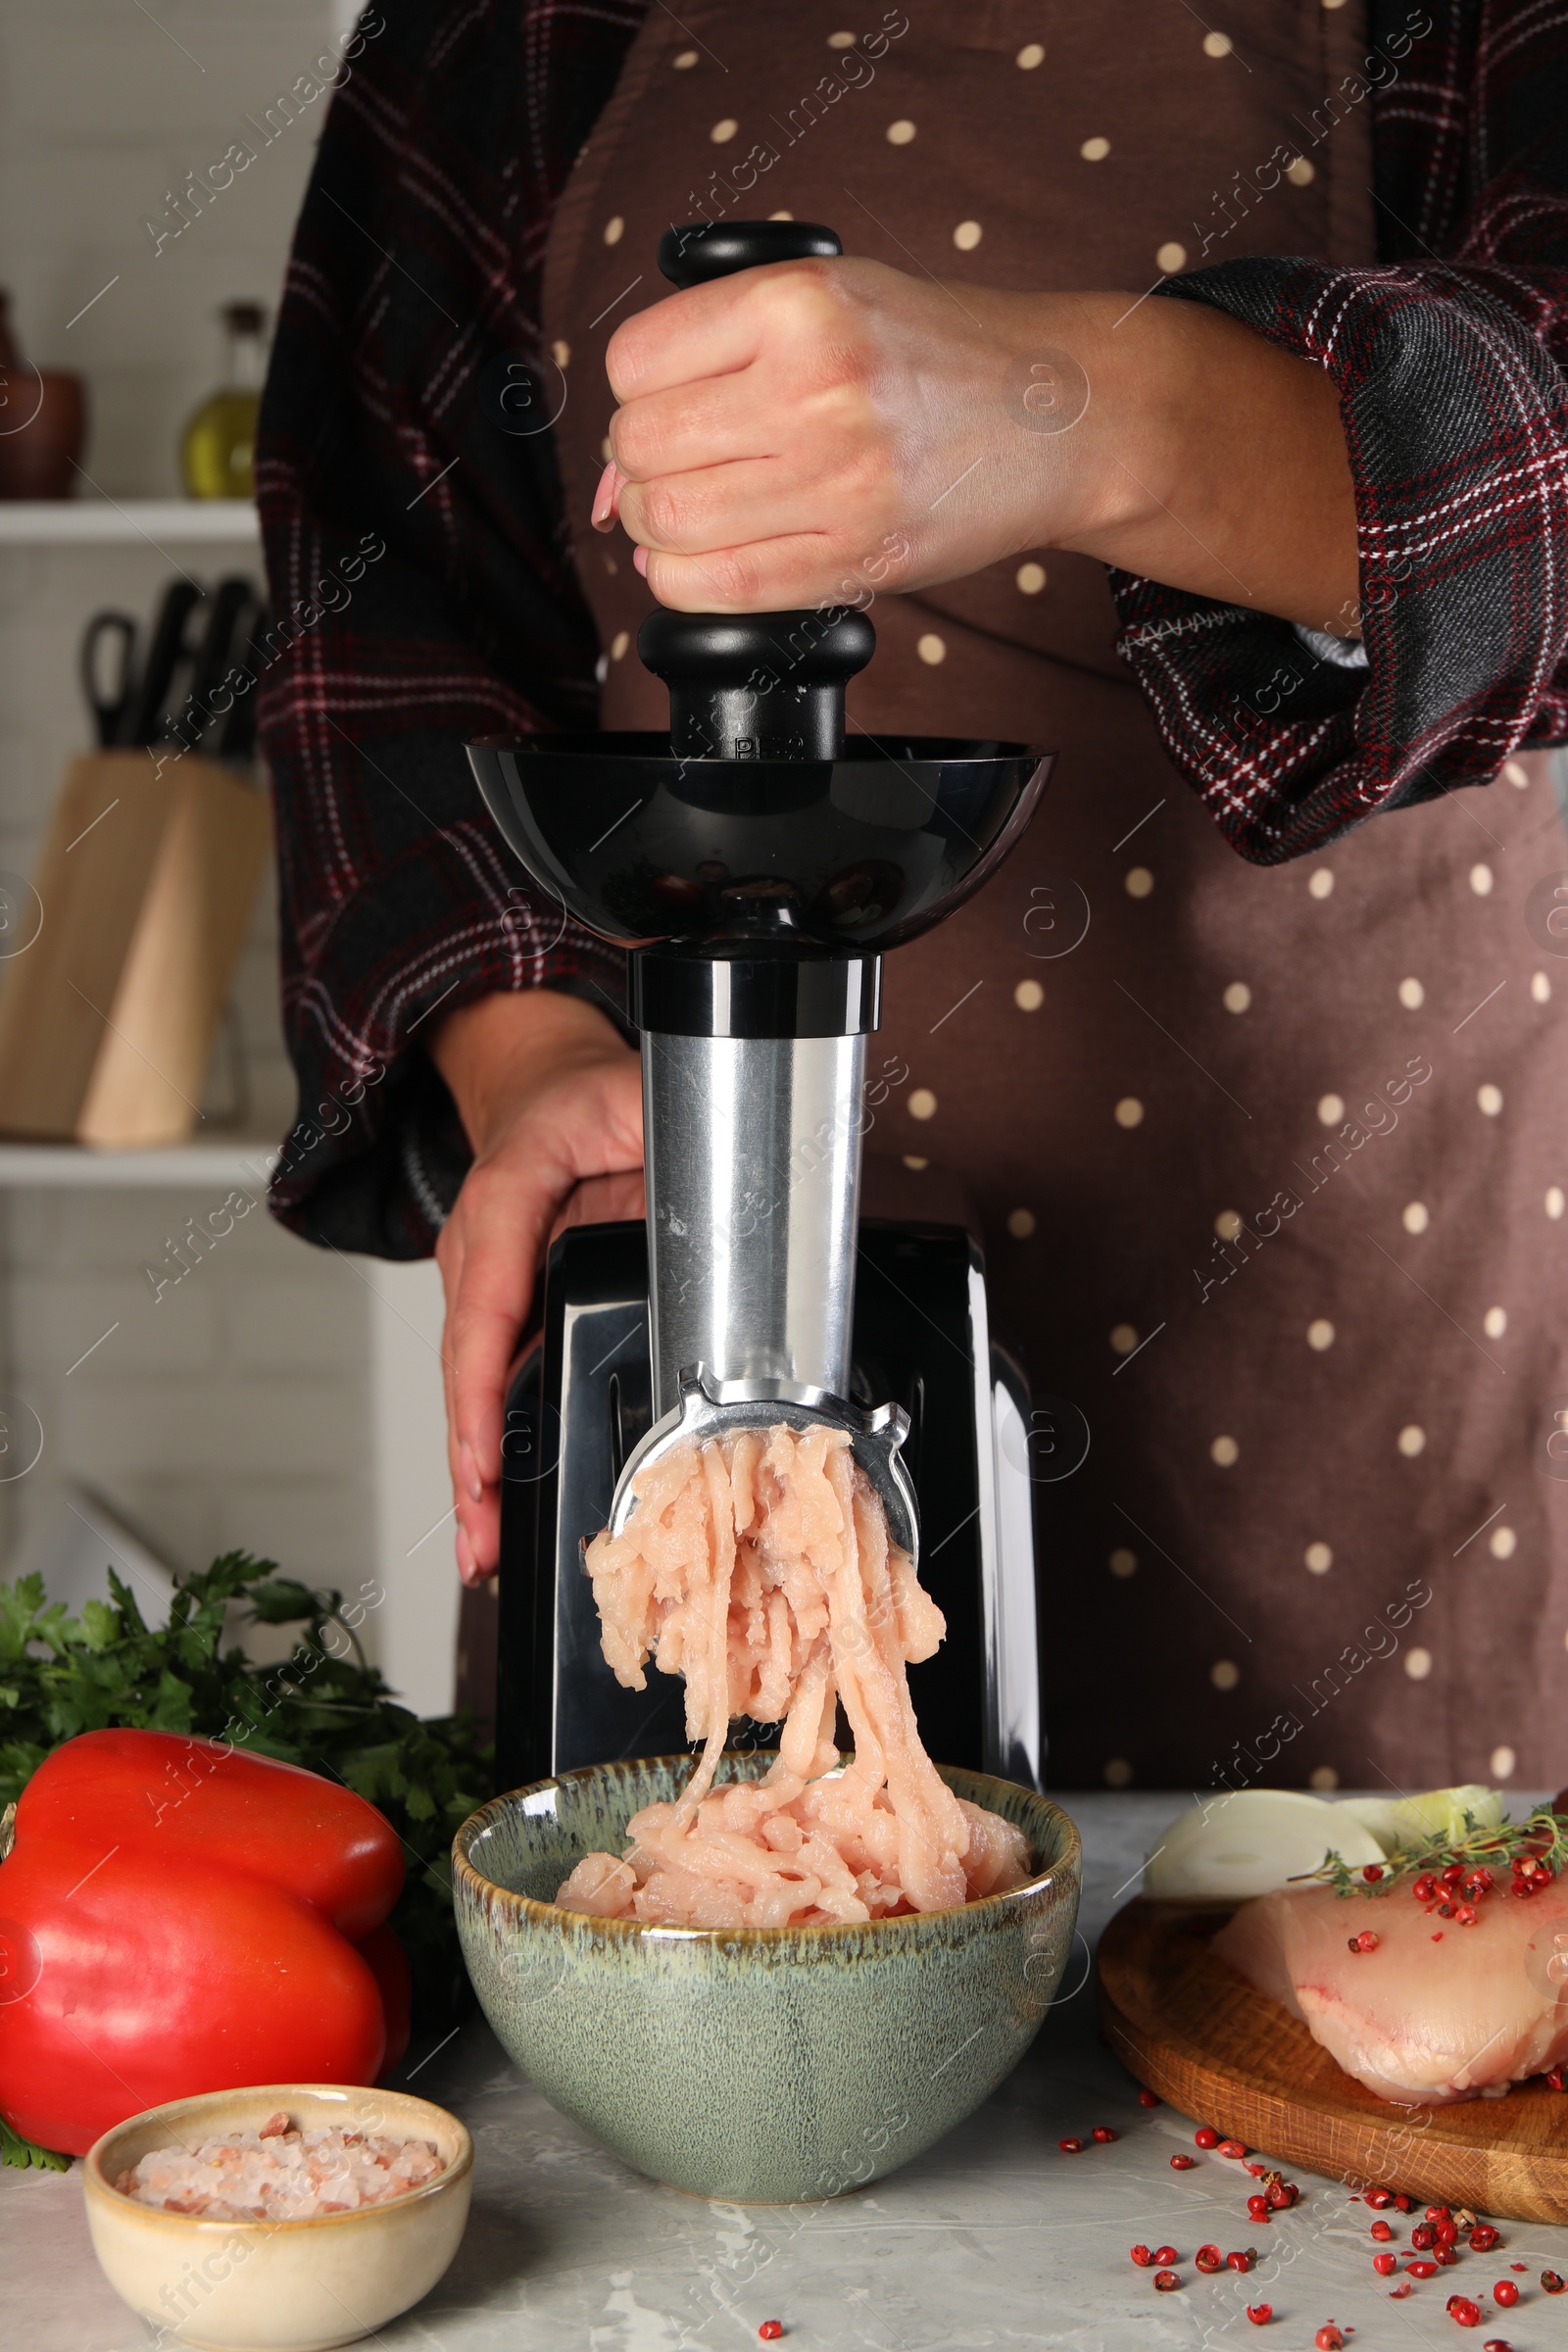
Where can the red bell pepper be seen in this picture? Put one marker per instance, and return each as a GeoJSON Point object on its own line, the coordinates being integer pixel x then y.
{"type": "Point", "coordinates": [178, 1916]}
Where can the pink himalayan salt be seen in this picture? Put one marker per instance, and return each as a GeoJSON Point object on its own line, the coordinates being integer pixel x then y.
{"type": "Point", "coordinates": [759, 1568]}
{"type": "Point", "coordinates": [281, 2174]}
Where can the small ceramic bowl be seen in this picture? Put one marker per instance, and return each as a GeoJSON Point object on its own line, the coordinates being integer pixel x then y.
{"type": "Point", "coordinates": [277, 2286]}
{"type": "Point", "coordinates": [759, 2064]}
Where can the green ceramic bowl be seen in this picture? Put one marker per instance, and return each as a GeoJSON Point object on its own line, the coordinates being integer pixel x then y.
{"type": "Point", "coordinates": [762, 2065]}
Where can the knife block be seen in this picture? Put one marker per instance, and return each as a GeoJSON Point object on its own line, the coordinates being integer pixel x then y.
{"type": "Point", "coordinates": [146, 883]}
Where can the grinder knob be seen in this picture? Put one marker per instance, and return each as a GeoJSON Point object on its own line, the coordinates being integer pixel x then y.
{"type": "Point", "coordinates": [691, 252]}
{"type": "Point", "coordinates": [759, 685]}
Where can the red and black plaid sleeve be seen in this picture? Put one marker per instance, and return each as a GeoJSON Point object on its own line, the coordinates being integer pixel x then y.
{"type": "Point", "coordinates": [420, 587]}
{"type": "Point", "coordinates": [1449, 359]}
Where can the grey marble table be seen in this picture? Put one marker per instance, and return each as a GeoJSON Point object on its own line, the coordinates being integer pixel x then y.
{"type": "Point", "coordinates": [992, 2241]}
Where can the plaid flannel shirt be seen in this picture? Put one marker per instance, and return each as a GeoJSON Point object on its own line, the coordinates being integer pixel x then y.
{"type": "Point", "coordinates": [425, 592]}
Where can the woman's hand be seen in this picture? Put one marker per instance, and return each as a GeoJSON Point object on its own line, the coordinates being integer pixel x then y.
{"type": "Point", "coordinates": [799, 434]}
{"type": "Point", "coordinates": [550, 1096]}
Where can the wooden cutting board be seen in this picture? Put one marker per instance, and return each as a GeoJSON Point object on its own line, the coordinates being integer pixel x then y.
{"type": "Point", "coordinates": [1185, 2023]}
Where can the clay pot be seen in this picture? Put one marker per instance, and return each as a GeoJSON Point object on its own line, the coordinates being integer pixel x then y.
{"type": "Point", "coordinates": [43, 422]}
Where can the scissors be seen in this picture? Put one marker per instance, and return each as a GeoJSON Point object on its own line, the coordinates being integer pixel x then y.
{"type": "Point", "coordinates": [110, 704]}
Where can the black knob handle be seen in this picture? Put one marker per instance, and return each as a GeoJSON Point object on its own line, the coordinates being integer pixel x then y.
{"type": "Point", "coordinates": [761, 685]}
{"type": "Point", "coordinates": [692, 253]}
{"type": "Point", "coordinates": [757, 685]}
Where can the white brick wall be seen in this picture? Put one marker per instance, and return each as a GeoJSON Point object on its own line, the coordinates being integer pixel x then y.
{"type": "Point", "coordinates": [232, 1410]}
{"type": "Point", "coordinates": [251, 1406]}
{"type": "Point", "coordinates": [102, 113]}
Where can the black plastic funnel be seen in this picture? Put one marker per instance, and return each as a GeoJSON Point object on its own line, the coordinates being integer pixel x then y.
{"type": "Point", "coordinates": [865, 852]}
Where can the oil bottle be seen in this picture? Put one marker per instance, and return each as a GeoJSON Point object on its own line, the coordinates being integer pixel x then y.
{"type": "Point", "coordinates": [218, 443]}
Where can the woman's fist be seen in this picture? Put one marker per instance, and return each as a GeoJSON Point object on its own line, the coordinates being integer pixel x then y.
{"type": "Point", "coordinates": [794, 435]}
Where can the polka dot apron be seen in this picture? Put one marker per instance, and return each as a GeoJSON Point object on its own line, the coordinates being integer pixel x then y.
{"type": "Point", "coordinates": [1269, 1166]}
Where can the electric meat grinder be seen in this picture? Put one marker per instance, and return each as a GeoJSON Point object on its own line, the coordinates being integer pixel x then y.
{"type": "Point", "coordinates": [755, 873]}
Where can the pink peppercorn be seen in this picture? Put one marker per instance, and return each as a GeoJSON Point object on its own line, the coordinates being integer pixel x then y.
{"type": "Point", "coordinates": [1182, 2164]}
{"type": "Point", "coordinates": [1072, 2147]}
{"type": "Point", "coordinates": [1166, 2281]}
{"type": "Point", "coordinates": [1206, 2136]}
{"type": "Point", "coordinates": [770, 2330]}
{"type": "Point", "coordinates": [1385, 2264]}
{"type": "Point", "coordinates": [1104, 2133]}
{"type": "Point", "coordinates": [1382, 2232]}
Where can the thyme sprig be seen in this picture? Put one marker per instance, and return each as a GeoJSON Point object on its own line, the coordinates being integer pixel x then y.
{"type": "Point", "coordinates": [1543, 1838]}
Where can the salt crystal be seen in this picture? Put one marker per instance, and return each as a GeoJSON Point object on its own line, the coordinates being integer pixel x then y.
{"type": "Point", "coordinates": [280, 2173]}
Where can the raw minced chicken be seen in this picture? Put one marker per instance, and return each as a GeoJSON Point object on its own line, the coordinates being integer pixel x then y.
{"type": "Point", "coordinates": [758, 1566]}
{"type": "Point", "coordinates": [280, 2173]}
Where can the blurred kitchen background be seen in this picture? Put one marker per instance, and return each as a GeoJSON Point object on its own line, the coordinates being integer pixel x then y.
{"type": "Point", "coordinates": [272, 1397]}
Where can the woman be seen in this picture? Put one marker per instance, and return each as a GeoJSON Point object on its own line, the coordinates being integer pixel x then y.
{"type": "Point", "coordinates": [1260, 1148]}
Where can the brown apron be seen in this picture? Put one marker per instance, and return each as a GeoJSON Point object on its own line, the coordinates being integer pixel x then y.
{"type": "Point", "coordinates": [1266, 1164]}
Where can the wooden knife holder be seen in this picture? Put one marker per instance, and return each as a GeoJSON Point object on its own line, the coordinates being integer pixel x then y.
{"type": "Point", "coordinates": [146, 883]}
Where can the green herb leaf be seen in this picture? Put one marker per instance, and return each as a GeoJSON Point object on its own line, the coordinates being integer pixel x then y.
{"type": "Point", "coordinates": [20, 2153]}
{"type": "Point", "coordinates": [281, 1600]}
{"type": "Point", "coordinates": [100, 1625]}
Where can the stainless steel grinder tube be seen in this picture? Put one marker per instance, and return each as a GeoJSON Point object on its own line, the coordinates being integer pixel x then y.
{"type": "Point", "coordinates": [752, 1152]}
{"type": "Point", "coordinates": [753, 1160]}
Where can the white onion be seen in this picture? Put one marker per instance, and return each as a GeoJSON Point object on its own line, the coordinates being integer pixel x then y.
{"type": "Point", "coordinates": [1251, 1840]}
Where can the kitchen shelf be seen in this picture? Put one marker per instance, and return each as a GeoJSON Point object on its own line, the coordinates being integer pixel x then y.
{"type": "Point", "coordinates": [103, 523]}
{"type": "Point", "coordinates": [178, 1167]}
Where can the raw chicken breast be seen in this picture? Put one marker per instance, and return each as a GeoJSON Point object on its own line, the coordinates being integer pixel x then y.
{"type": "Point", "coordinates": [1437, 2012]}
